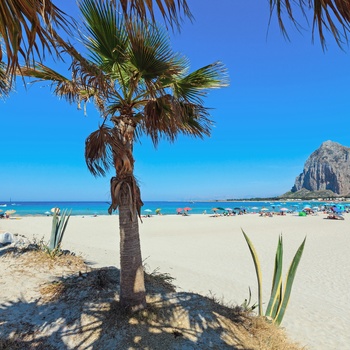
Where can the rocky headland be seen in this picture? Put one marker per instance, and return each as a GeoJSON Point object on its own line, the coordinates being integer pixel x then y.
{"type": "Point", "coordinates": [326, 174]}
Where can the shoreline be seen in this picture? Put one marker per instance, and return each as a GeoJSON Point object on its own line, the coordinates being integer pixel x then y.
{"type": "Point", "coordinates": [209, 256]}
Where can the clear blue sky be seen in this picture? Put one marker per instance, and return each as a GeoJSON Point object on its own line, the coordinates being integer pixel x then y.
{"type": "Point", "coordinates": [284, 100]}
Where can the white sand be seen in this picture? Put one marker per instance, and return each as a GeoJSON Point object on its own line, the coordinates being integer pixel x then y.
{"type": "Point", "coordinates": [208, 255]}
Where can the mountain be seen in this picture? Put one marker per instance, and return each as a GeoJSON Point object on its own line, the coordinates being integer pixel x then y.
{"type": "Point", "coordinates": [326, 172]}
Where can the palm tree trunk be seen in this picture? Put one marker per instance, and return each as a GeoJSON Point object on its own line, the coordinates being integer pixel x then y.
{"type": "Point", "coordinates": [126, 195]}
{"type": "Point", "coordinates": [132, 286]}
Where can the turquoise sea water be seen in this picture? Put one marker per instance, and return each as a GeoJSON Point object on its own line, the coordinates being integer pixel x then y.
{"type": "Point", "coordinates": [150, 207]}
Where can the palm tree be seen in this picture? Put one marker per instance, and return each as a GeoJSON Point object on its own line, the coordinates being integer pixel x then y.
{"type": "Point", "coordinates": [140, 88]}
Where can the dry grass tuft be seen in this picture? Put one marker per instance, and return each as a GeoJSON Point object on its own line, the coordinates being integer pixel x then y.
{"type": "Point", "coordinates": [35, 254]}
{"type": "Point", "coordinates": [157, 279]}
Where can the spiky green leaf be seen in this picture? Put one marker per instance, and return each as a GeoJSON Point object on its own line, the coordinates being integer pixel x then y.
{"type": "Point", "coordinates": [257, 270]}
{"type": "Point", "coordinates": [289, 284]}
{"type": "Point", "coordinates": [276, 281]}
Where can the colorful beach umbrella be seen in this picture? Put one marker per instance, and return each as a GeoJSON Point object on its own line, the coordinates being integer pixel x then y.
{"type": "Point", "coordinates": [284, 209]}
{"type": "Point", "coordinates": [158, 210]}
{"type": "Point", "coordinates": [179, 210]}
{"type": "Point", "coordinates": [187, 208]}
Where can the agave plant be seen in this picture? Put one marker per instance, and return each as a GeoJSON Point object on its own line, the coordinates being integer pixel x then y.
{"type": "Point", "coordinates": [280, 296]}
{"type": "Point", "coordinates": [59, 225]}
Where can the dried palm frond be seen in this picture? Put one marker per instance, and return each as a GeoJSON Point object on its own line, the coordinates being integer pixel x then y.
{"type": "Point", "coordinates": [332, 15]}
{"type": "Point", "coordinates": [5, 85]}
{"type": "Point", "coordinates": [168, 117]}
{"type": "Point", "coordinates": [26, 30]}
{"type": "Point", "coordinates": [169, 9]}
{"type": "Point", "coordinates": [101, 148]}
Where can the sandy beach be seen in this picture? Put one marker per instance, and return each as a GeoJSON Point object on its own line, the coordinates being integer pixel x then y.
{"type": "Point", "coordinates": [208, 255]}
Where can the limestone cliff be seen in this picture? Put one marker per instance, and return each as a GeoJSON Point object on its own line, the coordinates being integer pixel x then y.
{"type": "Point", "coordinates": [328, 168]}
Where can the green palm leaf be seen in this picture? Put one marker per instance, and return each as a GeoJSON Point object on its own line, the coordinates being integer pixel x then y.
{"type": "Point", "coordinates": [194, 86]}
{"type": "Point", "coordinates": [106, 37]}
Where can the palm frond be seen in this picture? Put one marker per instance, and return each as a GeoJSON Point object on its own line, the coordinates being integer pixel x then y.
{"type": "Point", "coordinates": [329, 15]}
{"type": "Point", "coordinates": [72, 90]}
{"type": "Point", "coordinates": [26, 30]}
{"type": "Point", "coordinates": [150, 57]}
{"type": "Point", "coordinates": [171, 10]}
{"type": "Point", "coordinates": [195, 85]}
{"type": "Point", "coordinates": [106, 36]}
{"type": "Point", "coordinates": [5, 83]}
{"type": "Point", "coordinates": [101, 148]}
{"type": "Point", "coordinates": [63, 87]}
{"type": "Point", "coordinates": [167, 117]}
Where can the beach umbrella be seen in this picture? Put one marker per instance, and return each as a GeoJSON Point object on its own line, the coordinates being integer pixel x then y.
{"type": "Point", "coordinates": [158, 210]}
{"type": "Point", "coordinates": [220, 208]}
{"type": "Point", "coordinates": [228, 209]}
{"type": "Point", "coordinates": [179, 210]}
{"type": "Point", "coordinates": [284, 209]}
{"type": "Point", "coordinates": [215, 209]}
{"type": "Point", "coordinates": [148, 210]}
{"type": "Point", "coordinates": [264, 209]}
{"type": "Point", "coordinates": [55, 210]}
{"type": "Point", "coordinates": [10, 212]}
{"type": "Point", "coordinates": [255, 208]}
{"type": "Point", "coordinates": [47, 213]}
{"type": "Point", "coordinates": [187, 208]}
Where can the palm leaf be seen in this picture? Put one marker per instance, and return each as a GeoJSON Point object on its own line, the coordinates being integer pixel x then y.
{"type": "Point", "coordinates": [329, 15]}
{"type": "Point", "coordinates": [27, 30]}
{"type": "Point", "coordinates": [195, 85]}
{"type": "Point", "coordinates": [171, 10]}
{"type": "Point", "coordinates": [106, 37]}
{"type": "Point", "coordinates": [5, 84]}
{"type": "Point", "coordinates": [102, 147]}
{"type": "Point", "coordinates": [167, 117]}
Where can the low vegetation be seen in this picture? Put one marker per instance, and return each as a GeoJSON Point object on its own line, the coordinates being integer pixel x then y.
{"type": "Point", "coordinates": [59, 225]}
{"type": "Point", "coordinates": [279, 295]}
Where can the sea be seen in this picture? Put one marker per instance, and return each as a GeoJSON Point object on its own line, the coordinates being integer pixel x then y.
{"type": "Point", "coordinates": [155, 207]}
